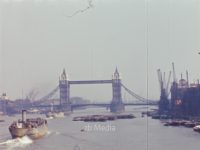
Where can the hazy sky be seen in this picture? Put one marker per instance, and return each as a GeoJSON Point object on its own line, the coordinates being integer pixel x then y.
{"type": "Point", "coordinates": [38, 38]}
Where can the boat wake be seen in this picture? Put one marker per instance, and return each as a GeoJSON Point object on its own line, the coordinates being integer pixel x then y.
{"type": "Point", "coordinates": [18, 142]}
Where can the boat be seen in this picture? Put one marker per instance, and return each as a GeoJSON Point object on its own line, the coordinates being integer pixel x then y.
{"type": "Point", "coordinates": [197, 128]}
{"type": "Point", "coordinates": [55, 115]}
{"type": "Point", "coordinates": [34, 128]}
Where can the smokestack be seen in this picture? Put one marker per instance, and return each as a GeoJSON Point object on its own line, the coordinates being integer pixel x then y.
{"type": "Point", "coordinates": [23, 115]}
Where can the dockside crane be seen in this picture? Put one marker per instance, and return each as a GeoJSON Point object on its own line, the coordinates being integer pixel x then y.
{"type": "Point", "coordinates": [174, 73]}
{"type": "Point", "coordinates": [164, 92]}
{"type": "Point", "coordinates": [167, 86]}
{"type": "Point", "coordinates": [160, 79]}
{"type": "Point", "coordinates": [164, 86]}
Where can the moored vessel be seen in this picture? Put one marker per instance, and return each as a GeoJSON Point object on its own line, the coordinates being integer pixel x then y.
{"type": "Point", "coordinates": [33, 127]}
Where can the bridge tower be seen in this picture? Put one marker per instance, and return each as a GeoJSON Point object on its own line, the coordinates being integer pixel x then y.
{"type": "Point", "coordinates": [116, 104]}
{"type": "Point", "coordinates": [64, 87]}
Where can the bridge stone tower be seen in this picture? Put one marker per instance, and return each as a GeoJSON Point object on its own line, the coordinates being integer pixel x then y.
{"type": "Point", "coordinates": [116, 104]}
{"type": "Point", "coordinates": [64, 87]}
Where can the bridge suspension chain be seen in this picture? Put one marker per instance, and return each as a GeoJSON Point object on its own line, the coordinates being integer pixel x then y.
{"type": "Point", "coordinates": [46, 97]}
{"type": "Point", "coordinates": [134, 95]}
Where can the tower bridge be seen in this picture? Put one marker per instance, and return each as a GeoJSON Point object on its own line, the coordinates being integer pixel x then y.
{"type": "Point", "coordinates": [116, 104]}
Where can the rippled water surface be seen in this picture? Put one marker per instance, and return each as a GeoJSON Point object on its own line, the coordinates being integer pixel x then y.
{"type": "Point", "coordinates": [134, 134]}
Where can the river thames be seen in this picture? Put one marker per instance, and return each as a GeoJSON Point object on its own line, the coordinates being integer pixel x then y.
{"type": "Point", "coordinates": [140, 133]}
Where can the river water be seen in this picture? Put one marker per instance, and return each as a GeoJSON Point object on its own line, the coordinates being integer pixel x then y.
{"type": "Point", "coordinates": [140, 133]}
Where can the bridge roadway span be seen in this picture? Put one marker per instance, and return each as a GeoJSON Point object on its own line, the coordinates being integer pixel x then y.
{"type": "Point", "coordinates": [93, 104]}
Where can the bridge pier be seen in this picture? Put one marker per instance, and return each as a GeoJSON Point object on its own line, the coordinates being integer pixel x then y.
{"type": "Point", "coordinates": [116, 104]}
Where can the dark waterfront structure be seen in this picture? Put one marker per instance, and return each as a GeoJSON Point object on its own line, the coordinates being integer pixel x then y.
{"type": "Point", "coordinates": [185, 98]}
{"type": "Point", "coordinates": [116, 103]}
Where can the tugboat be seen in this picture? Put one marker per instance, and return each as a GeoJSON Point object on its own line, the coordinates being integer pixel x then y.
{"type": "Point", "coordinates": [34, 127]}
